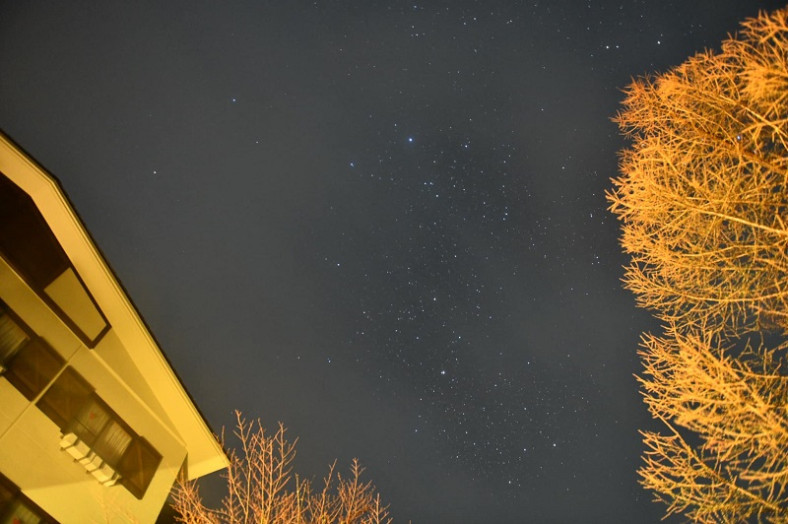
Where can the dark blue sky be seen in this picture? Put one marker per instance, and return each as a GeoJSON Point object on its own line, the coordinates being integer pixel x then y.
{"type": "Point", "coordinates": [382, 223]}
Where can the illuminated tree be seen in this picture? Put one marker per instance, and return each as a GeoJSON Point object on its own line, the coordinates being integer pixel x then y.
{"type": "Point", "coordinates": [703, 201]}
{"type": "Point", "coordinates": [732, 404]}
{"type": "Point", "coordinates": [703, 195]}
{"type": "Point", "coordinates": [263, 489]}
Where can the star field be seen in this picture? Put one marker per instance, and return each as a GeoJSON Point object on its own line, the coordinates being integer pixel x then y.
{"type": "Point", "coordinates": [381, 223]}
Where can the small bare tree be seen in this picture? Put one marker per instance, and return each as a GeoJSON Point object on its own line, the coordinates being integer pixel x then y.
{"type": "Point", "coordinates": [732, 404]}
{"type": "Point", "coordinates": [703, 194]}
{"type": "Point", "coordinates": [262, 488]}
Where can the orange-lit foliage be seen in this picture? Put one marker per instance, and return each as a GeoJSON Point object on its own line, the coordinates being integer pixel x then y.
{"type": "Point", "coordinates": [734, 405]}
{"type": "Point", "coordinates": [703, 195]}
{"type": "Point", "coordinates": [262, 488]}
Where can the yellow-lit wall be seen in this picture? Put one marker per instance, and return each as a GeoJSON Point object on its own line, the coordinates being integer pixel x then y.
{"type": "Point", "coordinates": [30, 454]}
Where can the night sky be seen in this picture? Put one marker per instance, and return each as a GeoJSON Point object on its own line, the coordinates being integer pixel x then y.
{"type": "Point", "coordinates": [382, 223]}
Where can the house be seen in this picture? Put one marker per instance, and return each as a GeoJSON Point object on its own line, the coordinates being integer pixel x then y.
{"type": "Point", "coordinates": [95, 425]}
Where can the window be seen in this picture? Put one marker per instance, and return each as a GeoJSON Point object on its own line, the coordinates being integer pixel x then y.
{"type": "Point", "coordinates": [15, 507]}
{"type": "Point", "coordinates": [64, 399]}
{"type": "Point", "coordinates": [138, 465]}
{"type": "Point", "coordinates": [12, 337]}
{"type": "Point", "coordinates": [96, 426]}
{"type": "Point", "coordinates": [27, 361]}
{"type": "Point", "coordinates": [97, 437]}
{"type": "Point", "coordinates": [33, 367]}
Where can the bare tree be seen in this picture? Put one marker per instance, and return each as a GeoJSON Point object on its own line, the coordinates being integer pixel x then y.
{"type": "Point", "coordinates": [703, 202]}
{"type": "Point", "coordinates": [703, 194]}
{"type": "Point", "coordinates": [262, 488]}
{"type": "Point", "coordinates": [732, 404]}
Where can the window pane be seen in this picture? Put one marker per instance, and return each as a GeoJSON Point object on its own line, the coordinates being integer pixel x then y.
{"type": "Point", "coordinates": [65, 398]}
{"type": "Point", "coordinates": [138, 465]}
{"type": "Point", "coordinates": [7, 493]}
{"type": "Point", "coordinates": [33, 367]}
{"type": "Point", "coordinates": [12, 337]}
{"type": "Point", "coordinates": [89, 422]}
{"type": "Point", "coordinates": [112, 443]}
{"type": "Point", "coordinates": [20, 513]}
{"type": "Point", "coordinates": [16, 508]}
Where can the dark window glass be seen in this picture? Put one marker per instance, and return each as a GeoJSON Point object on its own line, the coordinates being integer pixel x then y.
{"type": "Point", "coordinates": [138, 465]}
{"type": "Point", "coordinates": [7, 494]}
{"type": "Point", "coordinates": [65, 398]}
{"type": "Point", "coordinates": [12, 337]}
{"type": "Point", "coordinates": [33, 367]}
{"type": "Point", "coordinates": [113, 442]}
{"type": "Point", "coordinates": [90, 421]}
{"type": "Point", "coordinates": [102, 430]}
{"type": "Point", "coordinates": [16, 508]}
